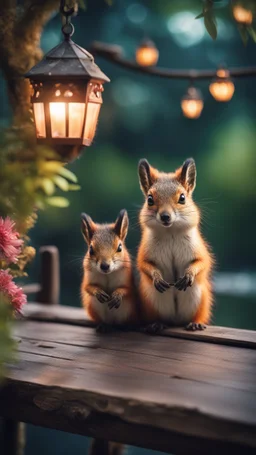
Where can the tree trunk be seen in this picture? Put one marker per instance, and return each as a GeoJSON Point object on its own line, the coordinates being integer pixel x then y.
{"type": "Point", "coordinates": [20, 33]}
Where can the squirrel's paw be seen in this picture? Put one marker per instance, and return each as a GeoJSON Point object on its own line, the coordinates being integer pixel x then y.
{"type": "Point", "coordinates": [183, 283]}
{"type": "Point", "coordinates": [160, 285]}
{"type": "Point", "coordinates": [102, 296]}
{"type": "Point", "coordinates": [193, 326]}
{"type": "Point", "coordinates": [115, 301]}
{"type": "Point", "coordinates": [155, 328]}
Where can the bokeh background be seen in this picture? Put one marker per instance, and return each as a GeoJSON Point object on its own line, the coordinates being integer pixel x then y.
{"type": "Point", "coordinates": [141, 117]}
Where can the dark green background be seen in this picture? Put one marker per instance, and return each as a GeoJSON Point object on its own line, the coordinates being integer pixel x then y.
{"type": "Point", "coordinates": [141, 117]}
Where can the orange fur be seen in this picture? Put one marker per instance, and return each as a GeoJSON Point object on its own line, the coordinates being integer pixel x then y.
{"type": "Point", "coordinates": [199, 263]}
{"type": "Point", "coordinates": [88, 291]}
{"type": "Point", "coordinates": [104, 241]}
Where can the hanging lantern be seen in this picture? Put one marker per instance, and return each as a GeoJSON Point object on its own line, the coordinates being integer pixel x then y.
{"type": "Point", "coordinates": [192, 103]}
{"type": "Point", "coordinates": [222, 88]}
{"type": "Point", "coordinates": [66, 96]}
{"type": "Point", "coordinates": [147, 54]}
{"type": "Point", "coordinates": [242, 15]}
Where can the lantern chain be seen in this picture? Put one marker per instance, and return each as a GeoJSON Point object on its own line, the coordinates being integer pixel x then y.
{"type": "Point", "coordinates": [68, 28]}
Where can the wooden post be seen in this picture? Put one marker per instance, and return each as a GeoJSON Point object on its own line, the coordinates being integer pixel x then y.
{"type": "Point", "coordinates": [49, 276]}
{"type": "Point", "coordinates": [13, 435]}
{"type": "Point", "coordinates": [103, 447]}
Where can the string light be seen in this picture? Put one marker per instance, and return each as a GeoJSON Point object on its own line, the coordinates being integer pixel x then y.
{"type": "Point", "coordinates": [242, 15]}
{"type": "Point", "coordinates": [147, 54]}
{"type": "Point", "coordinates": [222, 88]}
{"type": "Point", "coordinates": [192, 103]}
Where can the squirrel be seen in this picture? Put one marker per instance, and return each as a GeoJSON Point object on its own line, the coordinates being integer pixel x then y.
{"type": "Point", "coordinates": [107, 289]}
{"type": "Point", "coordinates": [172, 255]}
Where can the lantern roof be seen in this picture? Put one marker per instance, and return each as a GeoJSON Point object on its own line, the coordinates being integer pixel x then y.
{"type": "Point", "coordinates": [67, 60]}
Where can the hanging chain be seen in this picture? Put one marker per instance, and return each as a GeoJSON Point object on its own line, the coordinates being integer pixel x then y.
{"type": "Point", "coordinates": [68, 28]}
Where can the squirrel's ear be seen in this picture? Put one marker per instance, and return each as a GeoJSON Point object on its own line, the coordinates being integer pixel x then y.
{"type": "Point", "coordinates": [147, 175]}
{"type": "Point", "coordinates": [87, 227]}
{"type": "Point", "coordinates": [187, 175]}
{"type": "Point", "coordinates": [122, 224]}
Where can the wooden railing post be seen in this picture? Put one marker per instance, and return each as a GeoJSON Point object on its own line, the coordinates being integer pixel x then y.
{"type": "Point", "coordinates": [49, 276]}
{"type": "Point", "coordinates": [103, 447]}
{"type": "Point", "coordinates": [13, 437]}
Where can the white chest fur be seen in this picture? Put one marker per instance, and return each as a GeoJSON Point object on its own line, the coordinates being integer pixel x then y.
{"type": "Point", "coordinates": [109, 283]}
{"type": "Point", "coordinates": [172, 252]}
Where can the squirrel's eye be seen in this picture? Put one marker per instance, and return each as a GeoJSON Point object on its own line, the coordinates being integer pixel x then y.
{"type": "Point", "coordinates": [91, 250]}
{"type": "Point", "coordinates": [119, 249]}
{"type": "Point", "coordinates": [182, 199]}
{"type": "Point", "coordinates": [150, 199]}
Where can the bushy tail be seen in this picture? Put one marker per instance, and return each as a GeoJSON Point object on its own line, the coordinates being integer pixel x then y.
{"type": "Point", "coordinates": [101, 447]}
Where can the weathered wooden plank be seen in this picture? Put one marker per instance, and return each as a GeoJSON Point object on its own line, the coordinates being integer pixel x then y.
{"type": "Point", "coordinates": [134, 342]}
{"type": "Point", "coordinates": [186, 367]}
{"type": "Point", "coordinates": [199, 389]}
{"type": "Point", "coordinates": [19, 403]}
{"type": "Point", "coordinates": [77, 316]}
{"type": "Point", "coordinates": [32, 288]}
{"type": "Point", "coordinates": [62, 314]}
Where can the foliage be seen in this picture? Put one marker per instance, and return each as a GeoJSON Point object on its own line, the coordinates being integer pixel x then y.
{"type": "Point", "coordinates": [7, 344]}
{"type": "Point", "coordinates": [245, 30]}
{"type": "Point", "coordinates": [29, 177]}
{"type": "Point", "coordinates": [12, 297]}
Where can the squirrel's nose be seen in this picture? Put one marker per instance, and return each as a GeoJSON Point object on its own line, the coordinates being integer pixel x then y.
{"type": "Point", "coordinates": [165, 217]}
{"type": "Point", "coordinates": [104, 266]}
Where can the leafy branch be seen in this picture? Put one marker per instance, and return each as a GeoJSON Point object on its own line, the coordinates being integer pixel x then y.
{"type": "Point", "coordinates": [243, 12]}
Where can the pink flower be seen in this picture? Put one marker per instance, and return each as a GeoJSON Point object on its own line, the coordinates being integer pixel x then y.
{"type": "Point", "coordinates": [11, 291]}
{"type": "Point", "coordinates": [10, 244]}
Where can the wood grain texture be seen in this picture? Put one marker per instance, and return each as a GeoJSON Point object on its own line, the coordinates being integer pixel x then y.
{"type": "Point", "coordinates": [107, 427]}
{"type": "Point", "coordinates": [194, 390]}
{"type": "Point", "coordinates": [77, 316]}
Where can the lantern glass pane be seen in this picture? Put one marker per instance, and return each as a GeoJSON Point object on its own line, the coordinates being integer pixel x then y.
{"type": "Point", "coordinates": [39, 119]}
{"type": "Point", "coordinates": [92, 114]}
{"type": "Point", "coordinates": [58, 119]}
{"type": "Point", "coordinates": [76, 119]}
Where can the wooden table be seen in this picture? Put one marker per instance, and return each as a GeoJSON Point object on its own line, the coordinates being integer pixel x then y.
{"type": "Point", "coordinates": [179, 392]}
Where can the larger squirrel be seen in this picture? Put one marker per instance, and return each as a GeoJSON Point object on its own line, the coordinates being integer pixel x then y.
{"type": "Point", "coordinates": [172, 256]}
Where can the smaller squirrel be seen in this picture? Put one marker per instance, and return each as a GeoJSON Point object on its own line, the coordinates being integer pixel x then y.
{"type": "Point", "coordinates": [173, 255]}
{"type": "Point", "coordinates": [107, 289]}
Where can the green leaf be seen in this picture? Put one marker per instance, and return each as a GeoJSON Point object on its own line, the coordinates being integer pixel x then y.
{"type": "Point", "coordinates": [67, 174]}
{"type": "Point", "coordinates": [72, 187]}
{"type": "Point", "coordinates": [109, 2]}
{"type": "Point", "coordinates": [210, 26]}
{"type": "Point", "coordinates": [48, 186]}
{"type": "Point", "coordinates": [57, 201]}
{"type": "Point", "coordinates": [252, 33]}
{"type": "Point", "coordinates": [50, 166]}
{"type": "Point", "coordinates": [82, 4]}
{"type": "Point", "coordinates": [243, 33]}
{"type": "Point", "coordinates": [200, 15]}
{"type": "Point", "coordinates": [61, 182]}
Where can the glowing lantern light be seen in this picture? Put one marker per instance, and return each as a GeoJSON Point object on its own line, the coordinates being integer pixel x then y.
{"type": "Point", "coordinates": [147, 54]}
{"type": "Point", "coordinates": [192, 103]}
{"type": "Point", "coordinates": [222, 88]}
{"type": "Point", "coordinates": [67, 96]}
